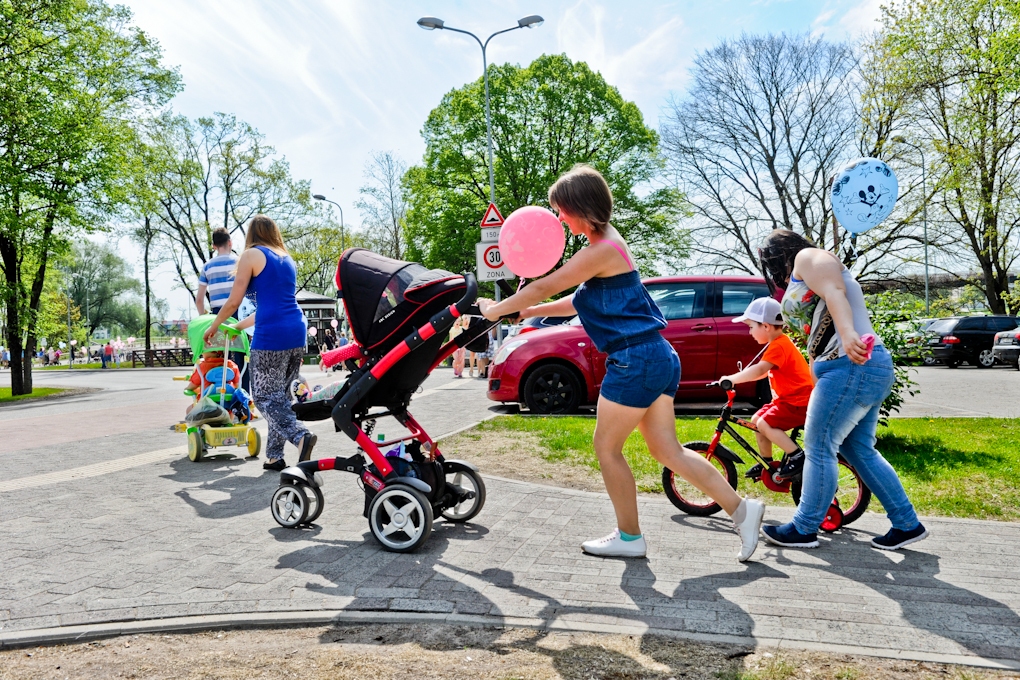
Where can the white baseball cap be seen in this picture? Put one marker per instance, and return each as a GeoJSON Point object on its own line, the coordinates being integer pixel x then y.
{"type": "Point", "coordinates": [763, 310]}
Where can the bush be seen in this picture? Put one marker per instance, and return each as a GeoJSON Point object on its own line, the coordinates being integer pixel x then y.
{"type": "Point", "coordinates": [894, 317]}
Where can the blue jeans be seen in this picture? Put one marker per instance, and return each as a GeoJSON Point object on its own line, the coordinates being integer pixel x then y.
{"type": "Point", "coordinates": [843, 416]}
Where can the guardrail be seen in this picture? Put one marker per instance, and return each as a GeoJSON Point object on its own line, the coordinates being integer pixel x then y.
{"type": "Point", "coordinates": [161, 357]}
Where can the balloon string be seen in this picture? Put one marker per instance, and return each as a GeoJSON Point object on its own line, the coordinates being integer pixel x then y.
{"type": "Point", "coordinates": [853, 254]}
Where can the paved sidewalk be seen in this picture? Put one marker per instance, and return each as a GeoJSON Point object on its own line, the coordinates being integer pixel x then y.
{"type": "Point", "coordinates": [176, 539]}
{"type": "Point", "coordinates": [118, 526]}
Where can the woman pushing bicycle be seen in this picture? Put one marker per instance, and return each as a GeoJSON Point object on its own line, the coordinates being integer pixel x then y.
{"type": "Point", "coordinates": [824, 302]}
{"type": "Point", "coordinates": [642, 370]}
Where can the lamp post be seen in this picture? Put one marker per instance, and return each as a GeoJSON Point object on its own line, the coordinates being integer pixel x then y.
{"type": "Point", "coordinates": [531, 21]}
{"type": "Point", "coordinates": [343, 240]}
{"type": "Point", "coordinates": [900, 139]}
{"type": "Point", "coordinates": [432, 23]}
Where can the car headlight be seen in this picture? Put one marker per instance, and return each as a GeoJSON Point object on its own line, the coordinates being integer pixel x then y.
{"type": "Point", "coordinates": [504, 352]}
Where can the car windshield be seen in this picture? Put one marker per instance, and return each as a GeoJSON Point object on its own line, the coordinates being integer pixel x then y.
{"type": "Point", "coordinates": [943, 326]}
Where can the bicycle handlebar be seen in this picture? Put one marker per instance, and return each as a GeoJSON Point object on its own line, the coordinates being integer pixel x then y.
{"type": "Point", "coordinates": [724, 384]}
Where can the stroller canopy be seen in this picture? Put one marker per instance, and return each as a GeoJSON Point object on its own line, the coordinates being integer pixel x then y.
{"type": "Point", "coordinates": [382, 296]}
{"type": "Point", "coordinates": [200, 324]}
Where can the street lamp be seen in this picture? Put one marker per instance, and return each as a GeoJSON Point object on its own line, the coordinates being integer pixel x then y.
{"type": "Point", "coordinates": [343, 240]}
{"type": "Point", "coordinates": [900, 139]}
{"type": "Point", "coordinates": [530, 21]}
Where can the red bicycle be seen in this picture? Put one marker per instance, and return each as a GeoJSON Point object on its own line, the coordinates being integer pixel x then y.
{"type": "Point", "coordinates": [852, 494]}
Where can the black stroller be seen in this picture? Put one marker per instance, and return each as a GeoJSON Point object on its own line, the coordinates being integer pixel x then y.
{"type": "Point", "coordinates": [400, 314]}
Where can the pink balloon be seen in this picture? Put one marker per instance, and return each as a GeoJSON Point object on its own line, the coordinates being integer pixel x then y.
{"type": "Point", "coordinates": [531, 241]}
{"type": "Point", "coordinates": [333, 323]}
{"type": "Point", "coordinates": [312, 330]}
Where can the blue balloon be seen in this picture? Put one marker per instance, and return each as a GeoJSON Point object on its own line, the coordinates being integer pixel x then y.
{"type": "Point", "coordinates": [864, 194]}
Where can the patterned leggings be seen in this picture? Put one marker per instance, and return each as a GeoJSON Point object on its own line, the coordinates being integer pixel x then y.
{"type": "Point", "coordinates": [273, 372]}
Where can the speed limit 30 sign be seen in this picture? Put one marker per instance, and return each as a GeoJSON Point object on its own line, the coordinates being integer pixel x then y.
{"type": "Point", "coordinates": [489, 263]}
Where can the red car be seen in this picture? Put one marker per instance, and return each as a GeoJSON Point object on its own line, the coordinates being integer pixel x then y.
{"type": "Point", "coordinates": [556, 370]}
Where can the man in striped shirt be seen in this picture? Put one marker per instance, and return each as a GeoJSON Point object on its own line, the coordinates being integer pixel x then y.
{"type": "Point", "coordinates": [217, 277]}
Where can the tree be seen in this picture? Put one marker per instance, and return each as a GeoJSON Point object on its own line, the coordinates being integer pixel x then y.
{"type": "Point", "coordinates": [383, 204]}
{"type": "Point", "coordinates": [218, 172]}
{"type": "Point", "coordinates": [754, 141]}
{"type": "Point", "coordinates": [546, 118]}
{"type": "Point", "coordinates": [317, 253]}
{"type": "Point", "coordinates": [957, 62]}
{"type": "Point", "coordinates": [73, 76]}
{"type": "Point", "coordinates": [101, 283]}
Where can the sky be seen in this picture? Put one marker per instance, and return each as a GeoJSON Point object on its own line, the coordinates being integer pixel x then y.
{"type": "Point", "coordinates": [331, 82]}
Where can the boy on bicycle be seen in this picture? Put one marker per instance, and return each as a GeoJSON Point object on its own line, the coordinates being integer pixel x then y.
{"type": "Point", "coordinates": [790, 379]}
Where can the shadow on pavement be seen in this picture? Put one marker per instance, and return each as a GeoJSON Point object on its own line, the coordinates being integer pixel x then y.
{"type": "Point", "coordinates": [985, 627]}
{"type": "Point", "coordinates": [218, 490]}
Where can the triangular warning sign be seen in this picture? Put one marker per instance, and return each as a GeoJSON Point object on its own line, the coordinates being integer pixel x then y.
{"type": "Point", "coordinates": [492, 217]}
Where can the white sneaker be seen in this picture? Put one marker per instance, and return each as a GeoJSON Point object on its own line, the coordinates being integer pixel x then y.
{"type": "Point", "coordinates": [614, 546]}
{"type": "Point", "coordinates": [749, 528]}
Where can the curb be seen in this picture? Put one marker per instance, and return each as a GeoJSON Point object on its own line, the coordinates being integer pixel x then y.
{"type": "Point", "coordinates": [287, 619]}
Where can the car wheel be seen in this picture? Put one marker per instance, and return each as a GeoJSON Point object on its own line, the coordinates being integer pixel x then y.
{"type": "Point", "coordinates": [930, 361]}
{"type": "Point", "coordinates": [985, 359]}
{"type": "Point", "coordinates": [552, 389]}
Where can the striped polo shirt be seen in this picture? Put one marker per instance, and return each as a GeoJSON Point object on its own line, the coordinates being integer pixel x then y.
{"type": "Point", "coordinates": [218, 276]}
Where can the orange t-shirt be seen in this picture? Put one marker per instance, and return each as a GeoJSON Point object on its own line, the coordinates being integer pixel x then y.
{"type": "Point", "coordinates": [791, 377]}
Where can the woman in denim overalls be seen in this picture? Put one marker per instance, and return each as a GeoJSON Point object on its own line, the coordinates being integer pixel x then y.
{"type": "Point", "coordinates": [642, 370]}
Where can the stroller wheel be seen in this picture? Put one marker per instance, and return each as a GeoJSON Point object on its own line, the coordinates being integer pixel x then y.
{"type": "Point", "coordinates": [289, 506]}
{"type": "Point", "coordinates": [467, 493]}
{"type": "Point", "coordinates": [315, 502]}
{"type": "Point", "coordinates": [196, 447]}
{"type": "Point", "coordinates": [400, 518]}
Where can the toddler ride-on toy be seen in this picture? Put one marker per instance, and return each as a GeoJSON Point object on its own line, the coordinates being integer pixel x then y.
{"type": "Point", "coordinates": [222, 414]}
{"type": "Point", "coordinates": [400, 314]}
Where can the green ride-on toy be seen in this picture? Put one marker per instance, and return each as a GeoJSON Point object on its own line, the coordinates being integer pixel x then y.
{"type": "Point", "coordinates": [222, 414]}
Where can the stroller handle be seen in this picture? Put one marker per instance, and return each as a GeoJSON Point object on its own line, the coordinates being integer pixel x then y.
{"type": "Point", "coordinates": [470, 294]}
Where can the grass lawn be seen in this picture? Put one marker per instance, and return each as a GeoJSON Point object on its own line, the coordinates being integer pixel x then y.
{"type": "Point", "coordinates": [63, 367]}
{"type": "Point", "coordinates": [5, 393]}
{"type": "Point", "coordinates": [957, 467]}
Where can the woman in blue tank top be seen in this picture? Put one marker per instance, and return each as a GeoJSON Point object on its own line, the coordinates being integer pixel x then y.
{"type": "Point", "coordinates": [266, 272]}
{"type": "Point", "coordinates": [642, 370]}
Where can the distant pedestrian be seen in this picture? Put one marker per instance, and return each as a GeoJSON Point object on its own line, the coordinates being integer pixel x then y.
{"type": "Point", "coordinates": [217, 277]}
{"type": "Point", "coordinates": [107, 355]}
{"type": "Point", "coordinates": [824, 302]}
{"type": "Point", "coordinates": [328, 340]}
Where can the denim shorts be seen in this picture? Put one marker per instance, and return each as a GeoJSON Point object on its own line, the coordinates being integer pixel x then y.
{"type": "Point", "coordinates": [637, 376]}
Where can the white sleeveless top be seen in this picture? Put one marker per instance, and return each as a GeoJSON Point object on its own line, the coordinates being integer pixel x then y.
{"type": "Point", "coordinates": [808, 316]}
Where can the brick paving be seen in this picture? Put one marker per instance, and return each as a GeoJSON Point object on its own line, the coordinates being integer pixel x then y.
{"type": "Point", "coordinates": [172, 538]}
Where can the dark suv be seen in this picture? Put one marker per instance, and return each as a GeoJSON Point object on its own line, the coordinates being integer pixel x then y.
{"type": "Point", "coordinates": [969, 338]}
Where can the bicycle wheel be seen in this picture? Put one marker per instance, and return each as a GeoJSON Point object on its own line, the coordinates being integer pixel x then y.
{"type": "Point", "coordinates": [688, 497]}
{"type": "Point", "coordinates": [852, 493]}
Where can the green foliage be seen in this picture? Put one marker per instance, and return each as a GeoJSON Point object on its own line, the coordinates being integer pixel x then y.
{"type": "Point", "coordinates": [216, 172]}
{"type": "Point", "coordinates": [546, 118]}
{"type": "Point", "coordinates": [101, 282]}
{"type": "Point", "coordinates": [955, 467]}
{"type": "Point", "coordinates": [954, 63]}
{"type": "Point", "coordinates": [895, 316]}
{"type": "Point", "coordinates": [74, 75]}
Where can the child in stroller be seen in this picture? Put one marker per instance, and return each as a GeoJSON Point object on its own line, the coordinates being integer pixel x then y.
{"type": "Point", "coordinates": [400, 314]}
